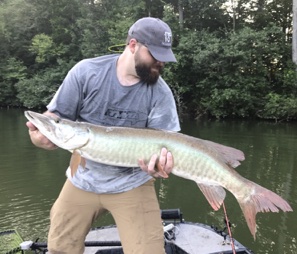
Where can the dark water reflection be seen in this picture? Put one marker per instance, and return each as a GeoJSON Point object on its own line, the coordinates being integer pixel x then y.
{"type": "Point", "coordinates": [31, 178]}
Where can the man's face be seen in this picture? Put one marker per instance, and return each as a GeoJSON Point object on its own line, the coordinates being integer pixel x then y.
{"type": "Point", "coordinates": [147, 67]}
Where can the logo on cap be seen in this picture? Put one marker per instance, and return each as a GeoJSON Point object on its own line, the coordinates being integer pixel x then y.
{"type": "Point", "coordinates": [167, 37]}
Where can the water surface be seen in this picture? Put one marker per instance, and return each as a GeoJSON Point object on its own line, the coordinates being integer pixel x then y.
{"type": "Point", "coordinates": [31, 178]}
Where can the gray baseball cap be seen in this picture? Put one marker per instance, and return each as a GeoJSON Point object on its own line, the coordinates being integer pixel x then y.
{"type": "Point", "coordinates": [156, 35]}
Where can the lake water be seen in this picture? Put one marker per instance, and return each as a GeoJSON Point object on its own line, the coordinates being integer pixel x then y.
{"type": "Point", "coordinates": [31, 178]}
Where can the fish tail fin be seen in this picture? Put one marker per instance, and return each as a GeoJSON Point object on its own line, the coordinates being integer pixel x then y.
{"type": "Point", "coordinates": [262, 200]}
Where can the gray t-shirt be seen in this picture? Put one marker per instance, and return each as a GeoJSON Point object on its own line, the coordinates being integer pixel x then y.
{"type": "Point", "coordinates": [91, 92]}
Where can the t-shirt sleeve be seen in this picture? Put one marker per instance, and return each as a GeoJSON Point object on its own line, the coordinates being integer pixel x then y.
{"type": "Point", "coordinates": [163, 114]}
{"type": "Point", "coordinates": [66, 102]}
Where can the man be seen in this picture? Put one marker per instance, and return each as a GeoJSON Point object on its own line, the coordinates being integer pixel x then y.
{"type": "Point", "coordinates": [118, 90]}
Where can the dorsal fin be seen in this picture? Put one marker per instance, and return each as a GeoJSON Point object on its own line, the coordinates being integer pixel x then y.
{"type": "Point", "coordinates": [230, 155]}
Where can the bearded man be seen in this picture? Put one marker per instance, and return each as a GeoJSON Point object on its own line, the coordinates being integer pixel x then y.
{"type": "Point", "coordinates": [115, 90]}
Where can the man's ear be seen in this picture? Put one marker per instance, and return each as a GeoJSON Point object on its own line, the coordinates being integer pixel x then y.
{"type": "Point", "coordinates": [132, 45]}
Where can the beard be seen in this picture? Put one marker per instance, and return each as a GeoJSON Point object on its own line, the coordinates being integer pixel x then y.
{"type": "Point", "coordinates": [148, 73]}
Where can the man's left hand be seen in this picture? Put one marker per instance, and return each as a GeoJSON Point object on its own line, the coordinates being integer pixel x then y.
{"type": "Point", "coordinates": [158, 166]}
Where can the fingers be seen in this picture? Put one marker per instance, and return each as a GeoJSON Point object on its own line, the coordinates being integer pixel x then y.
{"type": "Point", "coordinates": [169, 163]}
{"type": "Point", "coordinates": [31, 126]}
{"type": "Point", "coordinates": [158, 166]}
{"type": "Point", "coordinates": [165, 161]}
{"type": "Point", "coordinates": [150, 167]}
{"type": "Point", "coordinates": [38, 139]}
{"type": "Point", "coordinates": [162, 160]}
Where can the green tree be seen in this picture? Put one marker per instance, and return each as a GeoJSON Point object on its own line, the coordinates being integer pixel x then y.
{"type": "Point", "coordinates": [11, 71]}
{"type": "Point", "coordinates": [45, 49]}
{"type": "Point", "coordinates": [232, 61]}
{"type": "Point", "coordinates": [37, 91]}
{"type": "Point", "coordinates": [230, 76]}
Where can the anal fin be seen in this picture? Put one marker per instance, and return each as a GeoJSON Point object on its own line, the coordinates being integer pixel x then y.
{"type": "Point", "coordinates": [214, 194]}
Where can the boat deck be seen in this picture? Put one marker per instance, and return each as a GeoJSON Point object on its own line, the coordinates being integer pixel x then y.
{"type": "Point", "coordinates": [193, 238]}
{"type": "Point", "coordinates": [181, 237]}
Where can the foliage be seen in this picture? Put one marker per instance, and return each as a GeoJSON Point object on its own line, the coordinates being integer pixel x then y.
{"type": "Point", "coordinates": [233, 61]}
{"type": "Point", "coordinates": [45, 49]}
{"type": "Point", "coordinates": [279, 107]}
{"type": "Point", "coordinates": [36, 92]}
{"type": "Point", "coordinates": [229, 74]}
{"type": "Point", "coordinates": [12, 71]}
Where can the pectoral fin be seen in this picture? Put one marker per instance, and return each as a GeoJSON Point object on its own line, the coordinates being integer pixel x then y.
{"type": "Point", "coordinates": [75, 161]}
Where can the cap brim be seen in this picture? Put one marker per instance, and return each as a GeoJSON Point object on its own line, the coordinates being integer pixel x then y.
{"type": "Point", "coordinates": [162, 54]}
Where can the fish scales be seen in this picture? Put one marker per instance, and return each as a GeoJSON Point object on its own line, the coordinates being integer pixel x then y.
{"type": "Point", "coordinates": [113, 142]}
{"type": "Point", "coordinates": [209, 164]}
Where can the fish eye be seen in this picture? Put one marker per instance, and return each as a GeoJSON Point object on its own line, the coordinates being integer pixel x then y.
{"type": "Point", "coordinates": [57, 120]}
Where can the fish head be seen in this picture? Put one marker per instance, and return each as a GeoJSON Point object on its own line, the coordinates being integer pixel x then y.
{"type": "Point", "coordinates": [62, 132]}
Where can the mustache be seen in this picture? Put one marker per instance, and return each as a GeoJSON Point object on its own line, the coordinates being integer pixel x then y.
{"type": "Point", "coordinates": [159, 67]}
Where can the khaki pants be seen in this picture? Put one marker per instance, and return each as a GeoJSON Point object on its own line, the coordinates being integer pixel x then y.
{"type": "Point", "coordinates": [136, 213]}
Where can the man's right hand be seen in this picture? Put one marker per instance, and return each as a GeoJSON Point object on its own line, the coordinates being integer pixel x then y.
{"type": "Point", "coordinates": [38, 139]}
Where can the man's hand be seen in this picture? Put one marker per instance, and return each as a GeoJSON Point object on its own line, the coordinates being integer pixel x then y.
{"type": "Point", "coordinates": [38, 139]}
{"type": "Point", "coordinates": [158, 166]}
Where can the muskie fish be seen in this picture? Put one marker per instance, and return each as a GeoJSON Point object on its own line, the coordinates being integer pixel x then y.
{"type": "Point", "coordinates": [207, 163]}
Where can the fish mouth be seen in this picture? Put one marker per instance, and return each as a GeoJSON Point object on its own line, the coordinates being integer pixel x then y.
{"type": "Point", "coordinates": [39, 120]}
{"type": "Point", "coordinates": [31, 116]}
{"type": "Point", "coordinates": [28, 115]}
